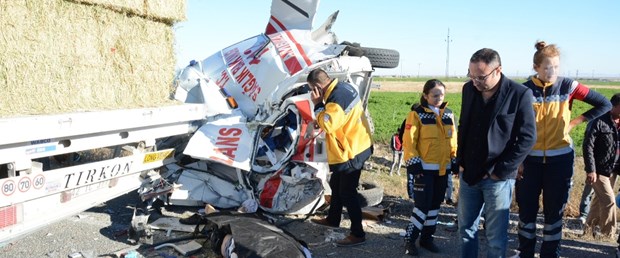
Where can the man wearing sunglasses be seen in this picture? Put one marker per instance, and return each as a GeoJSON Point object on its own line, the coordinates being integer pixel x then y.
{"type": "Point", "coordinates": [497, 129]}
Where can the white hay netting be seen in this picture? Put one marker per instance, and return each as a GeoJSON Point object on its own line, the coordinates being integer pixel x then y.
{"type": "Point", "coordinates": [68, 56]}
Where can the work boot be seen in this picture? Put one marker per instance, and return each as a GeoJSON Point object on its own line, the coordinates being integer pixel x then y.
{"type": "Point", "coordinates": [323, 222]}
{"type": "Point", "coordinates": [351, 240]}
{"type": "Point", "coordinates": [410, 248]}
{"type": "Point", "coordinates": [429, 245]}
{"type": "Point", "coordinates": [195, 219]}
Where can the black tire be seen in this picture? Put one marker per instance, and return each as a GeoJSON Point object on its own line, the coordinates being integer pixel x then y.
{"type": "Point", "coordinates": [369, 194]}
{"type": "Point", "coordinates": [381, 57]}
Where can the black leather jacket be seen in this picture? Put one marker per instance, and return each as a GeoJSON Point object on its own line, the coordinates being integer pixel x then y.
{"type": "Point", "coordinates": [599, 145]}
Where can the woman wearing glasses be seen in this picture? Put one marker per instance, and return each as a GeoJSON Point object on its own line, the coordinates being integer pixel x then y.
{"type": "Point", "coordinates": [549, 166]}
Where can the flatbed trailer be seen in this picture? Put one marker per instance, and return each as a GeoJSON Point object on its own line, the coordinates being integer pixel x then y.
{"type": "Point", "coordinates": [122, 147]}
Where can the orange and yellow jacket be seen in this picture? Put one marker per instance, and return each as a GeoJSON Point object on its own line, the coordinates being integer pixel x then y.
{"type": "Point", "coordinates": [552, 105]}
{"type": "Point", "coordinates": [430, 138]}
{"type": "Point", "coordinates": [348, 139]}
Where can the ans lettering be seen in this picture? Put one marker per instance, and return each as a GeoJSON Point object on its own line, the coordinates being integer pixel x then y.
{"type": "Point", "coordinates": [228, 141]}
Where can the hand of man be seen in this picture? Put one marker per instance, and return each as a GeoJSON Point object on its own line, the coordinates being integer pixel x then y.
{"type": "Point", "coordinates": [316, 95]}
{"type": "Point", "coordinates": [457, 175]}
{"type": "Point", "coordinates": [591, 178]}
{"type": "Point", "coordinates": [454, 168]}
{"type": "Point", "coordinates": [493, 177]}
{"type": "Point", "coordinates": [520, 172]}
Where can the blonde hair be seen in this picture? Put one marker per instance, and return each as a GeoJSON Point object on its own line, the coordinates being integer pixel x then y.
{"type": "Point", "coordinates": [543, 51]}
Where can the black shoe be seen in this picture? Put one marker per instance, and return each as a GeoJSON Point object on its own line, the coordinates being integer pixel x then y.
{"type": "Point", "coordinates": [410, 248]}
{"type": "Point", "coordinates": [429, 245]}
{"type": "Point", "coordinates": [195, 219]}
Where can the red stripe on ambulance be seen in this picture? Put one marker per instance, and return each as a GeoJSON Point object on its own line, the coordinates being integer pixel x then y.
{"type": "Point", "coordinates": [274, 26]}
{"type": "Point", "coordinates": [292, 59]}
{"type": "Point", "coordinates": [270, 189]}
{"type": "Point", "coordinates": [306, 118]}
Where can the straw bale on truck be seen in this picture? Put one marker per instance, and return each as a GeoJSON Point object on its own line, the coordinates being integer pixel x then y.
{"type": "Point", "coordinates": [61, 56]}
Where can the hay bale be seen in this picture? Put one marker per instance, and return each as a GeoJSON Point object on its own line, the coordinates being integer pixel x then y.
{"type": "Point", "coordinates": [168, 11]}
{"type": "Point", "coordinates": [62, 56]}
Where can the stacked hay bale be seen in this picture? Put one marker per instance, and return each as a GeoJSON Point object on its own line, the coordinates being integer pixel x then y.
{"type": "Point", "coordinates": [61, 56]}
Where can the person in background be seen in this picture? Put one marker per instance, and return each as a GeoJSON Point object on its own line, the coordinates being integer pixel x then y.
{"type": "Point", "coordinates": [601, 156]}
{"type": "Point", "coordinates": [339, 113]}
{"type": "Point", "coordinates": [429, 146]}
{"type": "Point", "coordinates": [397, 149]}
{"type": "Point", "coordinates": [496, 129]}
{"type": "Point", "coordinates": [549, 166]}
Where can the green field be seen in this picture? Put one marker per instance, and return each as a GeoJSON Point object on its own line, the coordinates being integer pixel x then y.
{"type": "Point", "coordinates": [589, 82]}
{"type": "Point", "coordinates": [388, 109]}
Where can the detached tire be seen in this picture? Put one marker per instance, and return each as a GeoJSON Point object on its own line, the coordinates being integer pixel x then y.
{"type": "Point", "coordinates": [382, 57]}
{"type": "Point", "coordinates": [369, 194]}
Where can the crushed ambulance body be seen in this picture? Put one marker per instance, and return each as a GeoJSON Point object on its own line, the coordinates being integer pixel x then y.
{"type": "Point", "coordinates": [258, 141]}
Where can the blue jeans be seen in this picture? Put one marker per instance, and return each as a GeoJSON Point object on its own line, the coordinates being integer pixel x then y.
{"type": "Point", "coordinates": [495, 197]}
{"type": "Point", "coordinates": [586, 199]}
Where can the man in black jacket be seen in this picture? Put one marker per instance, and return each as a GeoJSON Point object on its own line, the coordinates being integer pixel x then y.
{"type": "Point", "coordinates": [497, 129]}
{"type": "Point", "coordinates": [601, 152]}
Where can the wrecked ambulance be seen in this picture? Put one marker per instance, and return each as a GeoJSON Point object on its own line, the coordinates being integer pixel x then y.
{"type": "Point", "coordinates": [258, 146]}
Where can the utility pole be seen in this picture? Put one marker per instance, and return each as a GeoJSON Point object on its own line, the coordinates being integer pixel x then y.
{"type": "Point", "coordinates": [448, 54]}
{"type": "Point", "coordinates": [419, 69]}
